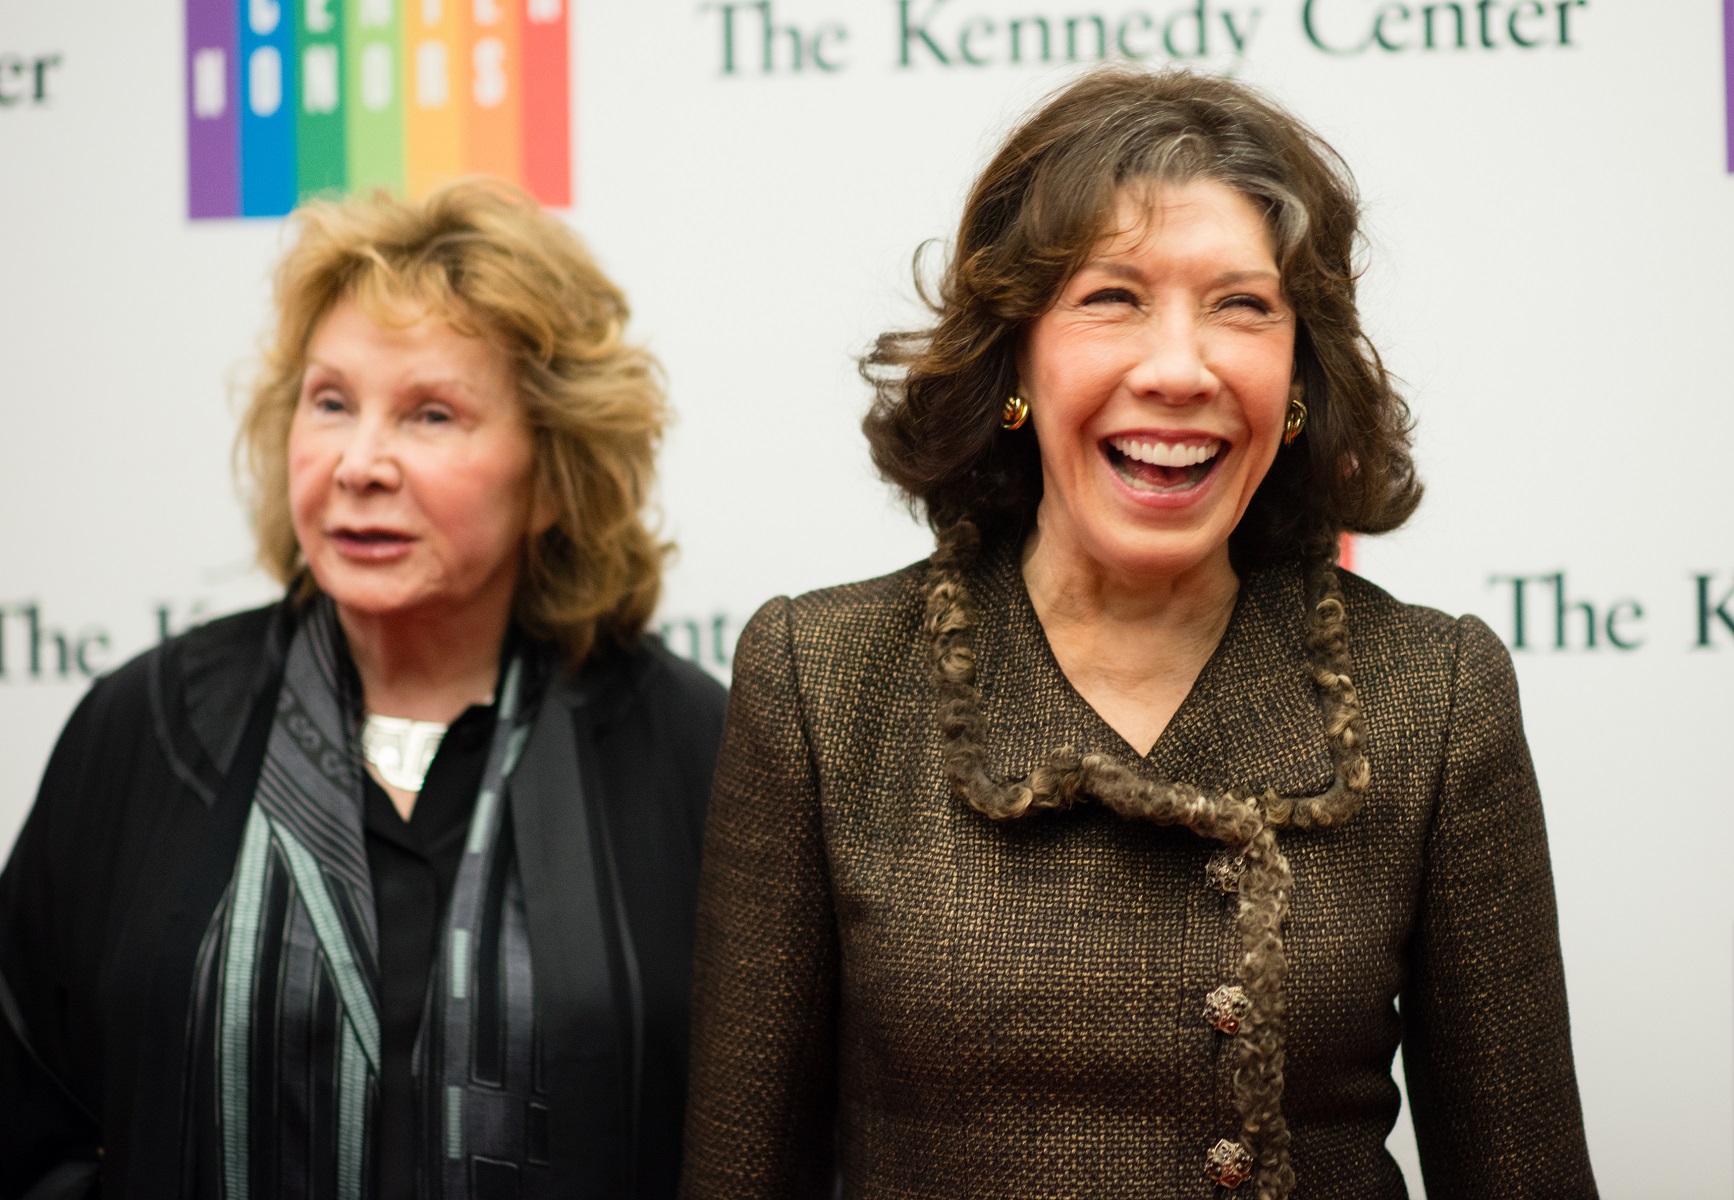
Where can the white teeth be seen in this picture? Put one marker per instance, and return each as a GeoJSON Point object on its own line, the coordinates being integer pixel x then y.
{"type": "Point", "coordinates": [1166, 454]}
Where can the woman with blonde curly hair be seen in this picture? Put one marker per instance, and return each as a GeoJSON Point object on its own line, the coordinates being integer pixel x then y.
{"type": "Point", "coordinates": [386, 890]}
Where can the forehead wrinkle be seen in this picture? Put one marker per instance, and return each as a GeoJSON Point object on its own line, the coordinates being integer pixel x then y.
{"type": "Point", "coordinates": [1253, 276]}
{"type": "Point", "coordinates": [415, 377]}
{"type": "Point", "coordinates": [1118, 253]}
{"type": "Point", "coordinates": [1140, 205]}
{"type": "Point", "coordinates": [1117, 269]}
{"type": "Point", "coordinates": [314, 362]}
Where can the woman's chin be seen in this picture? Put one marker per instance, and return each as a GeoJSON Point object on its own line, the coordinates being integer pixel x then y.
{"type": "Point", "coordinates": [1135, 550]}
{"type": "Point", "coordinates": [1161, 542]}
{"type": "Point", "coordinates": [374, 593]}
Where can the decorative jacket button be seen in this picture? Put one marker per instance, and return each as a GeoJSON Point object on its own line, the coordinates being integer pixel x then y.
{"type": "Point", "coordinates": [1229, 1164]}
{"type": "Point", "coordinates": [1223, 872]}
{"type": "Point", "coordinates": [1226, 1008]}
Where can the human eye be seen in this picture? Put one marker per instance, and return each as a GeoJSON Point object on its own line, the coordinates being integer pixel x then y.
{"type": "Point", "coordinates": [326, 400]}
{"type": "Point", "coordinates": [1109, 295]}
{"type": "Point", "coordinates": [433, 413]}
{"type": "Point", "coordinates": [1247, 302]}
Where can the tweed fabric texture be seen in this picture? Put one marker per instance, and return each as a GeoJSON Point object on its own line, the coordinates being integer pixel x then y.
{"type": "Point", "coordinates": [940, 1005]}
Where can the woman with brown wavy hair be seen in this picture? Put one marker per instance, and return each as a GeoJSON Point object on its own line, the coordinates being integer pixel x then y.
{"type": "Point", "coordinates": [1094, 855]}
{"type": "Point", "coordinates": [386, 890]}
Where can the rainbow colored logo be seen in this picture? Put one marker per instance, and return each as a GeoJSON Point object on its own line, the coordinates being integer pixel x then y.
{"type": "Point", "coordinates": [288, 99]}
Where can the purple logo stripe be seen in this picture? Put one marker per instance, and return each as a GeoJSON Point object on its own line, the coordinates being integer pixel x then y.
{"type": "Point", "coordinates": [213, 97]}
{"type": "Point", "coordinates": [1728, 75]}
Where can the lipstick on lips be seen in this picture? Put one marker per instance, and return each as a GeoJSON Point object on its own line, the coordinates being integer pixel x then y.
{"type": "Point", "coordinates": [1163, 468]}
{"type": "Point", "coordinates": [370, 543]}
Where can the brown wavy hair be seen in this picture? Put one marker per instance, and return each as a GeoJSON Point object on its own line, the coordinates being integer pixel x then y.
{"type": "Point", "coordinates": [484, 257]}
{"type": "Point", "coordinates": [1032, 219]}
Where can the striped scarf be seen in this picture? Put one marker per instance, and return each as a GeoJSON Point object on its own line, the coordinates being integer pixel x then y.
{"type": "Point", "coordinates": [285, 1034]}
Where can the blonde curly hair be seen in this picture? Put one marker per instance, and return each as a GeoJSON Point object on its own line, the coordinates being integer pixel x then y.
{"type": "Point", "coordinates": [481, 255]}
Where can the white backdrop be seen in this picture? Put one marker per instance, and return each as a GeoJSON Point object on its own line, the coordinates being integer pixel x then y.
{"type": "Point", "coordinates": [1551, 249]}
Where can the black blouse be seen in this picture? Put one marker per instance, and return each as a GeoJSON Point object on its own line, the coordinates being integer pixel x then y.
{"type": "Point", "coordinates": [414, 865]}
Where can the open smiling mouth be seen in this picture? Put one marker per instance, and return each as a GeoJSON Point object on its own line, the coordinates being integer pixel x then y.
{"type": "Point", "coordinates": [1149, 465]}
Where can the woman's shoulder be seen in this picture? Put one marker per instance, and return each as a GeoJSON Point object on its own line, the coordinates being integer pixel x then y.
{"type": "Point", "coordinates": [201, 679]}
{"type": "Point", "coordinates": [864, 603]}
{"type": "Point", "coordinates": [187, 697]}
{"type": "Point", "coordinates": [164, 723]}
{"type": "Point", "coordinates": [1420, 645]}
{"type": "Point", "coordinates": [842, 630]}
{"type": "Point", "coordinates": [851, 618]}
{"type": "Point", "coordinates": [646, 677]}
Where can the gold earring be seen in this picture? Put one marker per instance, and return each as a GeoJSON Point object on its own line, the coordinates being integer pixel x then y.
{"type": "Point", "coordinates": [1296, 419]}
{"type": "Point", "coordinates": [1015, 413]}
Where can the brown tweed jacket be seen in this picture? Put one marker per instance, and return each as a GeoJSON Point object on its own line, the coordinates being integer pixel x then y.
{"type": "Point", "coordinates": [890, 983]}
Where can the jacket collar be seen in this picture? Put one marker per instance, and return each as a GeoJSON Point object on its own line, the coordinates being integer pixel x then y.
{"type": "Point", "coordinates": [1251, 720]}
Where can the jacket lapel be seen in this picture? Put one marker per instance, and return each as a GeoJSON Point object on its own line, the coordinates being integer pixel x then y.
{"type": "Point", "coordinates": [1251, 719]}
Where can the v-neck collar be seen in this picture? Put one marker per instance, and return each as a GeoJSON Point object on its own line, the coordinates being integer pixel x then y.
{"type": "Point", "coordinates": [1251, 719]}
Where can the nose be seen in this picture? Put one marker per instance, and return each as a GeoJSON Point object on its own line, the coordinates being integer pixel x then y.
{"type": "Point", "coordinates": [368, 462]}
{"type": "Point", "coordinates": [1174, 368]}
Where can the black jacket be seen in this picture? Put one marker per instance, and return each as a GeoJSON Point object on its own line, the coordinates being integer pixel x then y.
{"type": "Point", "coordinates": [132, 841]}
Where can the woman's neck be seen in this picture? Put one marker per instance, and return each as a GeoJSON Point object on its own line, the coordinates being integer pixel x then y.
{"type": "Point", "coordinates": [426, 666]}
{"type": "Point", "coordinates": [1131, 646]}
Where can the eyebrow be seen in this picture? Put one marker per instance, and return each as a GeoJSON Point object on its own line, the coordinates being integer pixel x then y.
{"type": "Point", "coordinates": [312, 365]}
{"type": "Point", "coordinates": [417, 384]}
{"type": "Point", "coordinates": [1248, 277]}
{"type": "Point", "coordinates": [1121, 270]}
